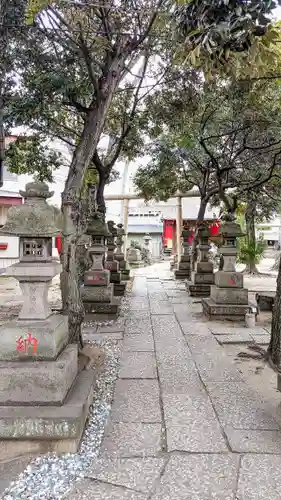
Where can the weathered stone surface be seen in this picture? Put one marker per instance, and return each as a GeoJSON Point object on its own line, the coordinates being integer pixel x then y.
{"type": "Point", "coordinates": [139, 343]}
{"type": "Point", "coordinates": [199, 290]}
{"type": "Point", "coordinates": [195, 329]}
{"type": "Point", "coordinates": [254, 441]}
{"type": "Point", "coordinates": [202, 278]}
{"type": "Point", "coordinates": [229, 295]}
{"type": "Point", "coordinates": [259, 478]}
{"type": "Point", "coordinates": [204, 267]}
{"type": "Point", "coordinates": [261, 339]}
{"type": "Point", "coordinates": [138, 326]}
{"type": "Point", "coordinates": [223, 312]}
{"type": "Point", "coordinates": [51, 336]}
{"type": "Point", "coordinates": [160, 307]}
{"type": "Point", "coordinates": [131, 440]}
{"type": "Point", "coordinates": [218, 368]}
{"type": "Point", "coordinates": [198, 477]}
{"type": "Point", "coordinates": [10, 470]}
{"type": "Point", "coordinates": [92, 490]}
{"type": "Point", "coordinates": [97, 277]}
{"type": "Point", "coordinates": [233, 330]}
{"type": "Point", "coordinates": [96, 293]}
{"type": "Point", "coordinates": [237, 338]}
{"type": "Point", "coordinates": [119, 289]}
{"type": "Point", "coordinates": [38, 382]}
{"type": "Point", "coordinates": [136, 401]}
{"type": "Point", "coordinates": [51, 422]}
{"type": "Point", "coordinates": [238, 406]}
{"type": "Point", "coordinates": [138, 365]}
{"type": "Point", "coordinates": [135, 473]}
{"type": "Point", "coordinates": [191, 424]}
{"type": "Point", "coordinates": [229, 279]}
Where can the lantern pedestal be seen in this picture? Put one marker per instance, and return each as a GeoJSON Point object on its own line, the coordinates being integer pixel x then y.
{"type": "Point", "coordinates": [97, 291]}
{"type": "Point", "coordinates": [43, 406]}
{"type": "Point", "coordinates": [228, 299]}
{"type": "Point", "coordinates": [119, 256]}
{"type": "Point", "coordinates": [203, 277]}
{"type": "Point", "coordinates": [111, 264]}
{"type": "Point", "coordinates": [184, 266]}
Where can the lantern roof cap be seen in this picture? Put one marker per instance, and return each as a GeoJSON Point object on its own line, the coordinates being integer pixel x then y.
{"type": "Point", "coordinates": [35, 218]}
{"type": "Point", "coordinates": [97, 226]}
{"type": "Point", "coordinates": [231, 229]}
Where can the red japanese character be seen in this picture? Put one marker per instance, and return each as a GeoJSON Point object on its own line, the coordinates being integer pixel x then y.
{"type": "Point", "coordinates": [20, 345]}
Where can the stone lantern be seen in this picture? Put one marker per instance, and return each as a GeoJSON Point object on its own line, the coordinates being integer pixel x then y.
{"type": "Point", "coordinates": [111, 263]}
{"type": "Point", "coordinates": [229, 298]}
{"type": "Point", "coordinates": [183, 267]}
{"type": "Point", "coordinates": [203, 276]}
{"type": "Point", "coordinates": [97, 291]}
{"type": "Point", "coordinates": [119, 254]}
{"type": "Point", "coordinates": [39, 379]}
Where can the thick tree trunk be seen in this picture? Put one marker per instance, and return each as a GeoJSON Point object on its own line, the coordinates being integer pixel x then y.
{"type": "Point", "coordinates": [251, 235]}
{"type": "Point", "coordinates": [100, 192]}
{"type": "Point", "coordinates": [274, 348]}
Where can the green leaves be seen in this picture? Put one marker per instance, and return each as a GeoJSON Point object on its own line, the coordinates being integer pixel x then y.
{"type": "Point", "coordinates": [30, 155]}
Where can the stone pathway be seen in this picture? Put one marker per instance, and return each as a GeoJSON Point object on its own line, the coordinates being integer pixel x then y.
{"type": "Point", "coordinates": [184, 425]}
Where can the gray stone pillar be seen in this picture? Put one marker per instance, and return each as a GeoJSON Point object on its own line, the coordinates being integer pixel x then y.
{"type": "Point", "coordinates": [119, 254]}
{"type": "Point", "coordinates": [228, 299]}
{"type": "Point", "coordinates": [184, 267]}
{"type": "Point", "coordinates": [202, 277]}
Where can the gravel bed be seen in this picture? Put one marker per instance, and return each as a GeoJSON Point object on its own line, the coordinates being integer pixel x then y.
{"type": "Point", "coordinates": [50, 477]}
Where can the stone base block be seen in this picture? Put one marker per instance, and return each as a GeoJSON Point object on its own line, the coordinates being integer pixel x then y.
{"type": "Point", "coordinates": [204, 267]}
{"type": "Point", "coordinates": [184, 265]}
{"type": "Point", "coordinates": [96, 294]}
{"type": "Point", "coordinates": [41, 429]}
{"type": "Point", "coordinates": [135, 264]}
{"type": "Point", "coordinates": [98, 278]}
{"type": "Point", "coordinates": [125, 275]}
{"type": "Point", "coordinates": [229, 279]}
{"type": "Point", "coordinates": [115, 277]}
{"type": "Point", "coordinates": [223, 312]}
{"type": "Point", "coordinates": [202, 278]}
{"type": "Point", "coordinates": [51, 337]}
{"type": "Point", "coordinates": [111, 265]}
{"type": "Point", "coordinates": [265, 300]}
{"type": "Point", "coordinates": [119, 289]}
{"type": "Point", "coordinates": [182, 274]}
{"type": "Point", "coordinates": [100, 309]}
{"type": "Point", "coordinates": [229, 295]}
{"type": "Point", "coordinates": [38, 382]}
{"type": "Point", "coordinates": [198, 290]}
{"type": "Point", "coordinates": [185, 258]}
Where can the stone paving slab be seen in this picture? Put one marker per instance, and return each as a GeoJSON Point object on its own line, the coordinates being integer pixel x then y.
{"type": "Point", "coordinates": [157, 296]}
{"type": "Point", "coordinates": [199, 345]}
{"type": "Point", "coordinates": [136, 401]}
{"type": "Point", "coordinates": [260, 478]}
{"type": "Point", "coordinates": [226, 330]}
{"type": "Point", "coordinates": [163, 307]}
{"type": "Point", "coordinates": [137, 474]}
{"type": "Point", "coordinates": [195, 329]}
{"type": "Point", "coordinates": [131, 440]}
{"type": "Point", "coordinates": [254, 441]}
{"type": "Point", "coordinates": [138, 343]}
{"type": "Point", "coordinates": [199, 477]}
{"type": "Point", "coordinates": [217, 368]}
{"type": "Point", "coordinates": [138, 326]}
{"type": "Point", "coordinates": [238, 406]}
{"type": "Point", "coordinates": [192, 425]}
{"type": "Point", "coordinates": [261, 339]}
{"type": "Point", "coordinates": [93, 490]}
{"type": "Point", "coordinates": [236, 338]}
{"type": "Point", "coordinates": [98, 337]}
{"type": "Point", "coordinates": [137, 365]}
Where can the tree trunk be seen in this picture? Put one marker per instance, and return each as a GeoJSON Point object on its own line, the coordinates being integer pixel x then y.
{"type": "Point", "coordinates": [274, 348]}
{"type": "Point", "coordinates": [73, 227]}
{"type": "Point", "coordinates": [100, 192]}
{"type": "Point", "coordinates": [251, 235]}
{"type": "Point", "coordinates": [200, 218]}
